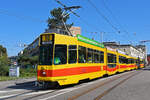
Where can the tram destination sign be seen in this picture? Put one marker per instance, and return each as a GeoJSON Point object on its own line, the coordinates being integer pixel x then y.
{"type": "Point", "coordinates": [89, 41]}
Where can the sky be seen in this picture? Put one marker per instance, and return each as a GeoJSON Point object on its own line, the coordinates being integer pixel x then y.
{"type": "Point", "coordinates": [22, 21]}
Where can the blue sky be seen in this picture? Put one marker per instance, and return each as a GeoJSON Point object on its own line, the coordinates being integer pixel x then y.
{"type": "Point", "coordinates": [21, 21]}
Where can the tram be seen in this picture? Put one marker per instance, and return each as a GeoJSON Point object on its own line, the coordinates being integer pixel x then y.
{"type": "Point", "coordinates": [67, 60]}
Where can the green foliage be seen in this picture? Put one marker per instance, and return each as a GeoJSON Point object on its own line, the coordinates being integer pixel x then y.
{"type": "Point", "coordinates": [55, 21]}
{"type": "Point", "coordinates": [6, 78]}
{"type": "Point", "coordinates": [24, 73]}
{"type": "Point", "coordinates": [27, 61]}
{"type": "Point", "coordinates": [3, 61]}
{"type": "Point", "coordinates": [3, 51]}
{"type": "Point", "coordinates": [28, 72]}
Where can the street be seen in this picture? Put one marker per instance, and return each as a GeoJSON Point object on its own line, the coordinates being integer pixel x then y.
{"type": "Point", "coordinates": [131, 85]}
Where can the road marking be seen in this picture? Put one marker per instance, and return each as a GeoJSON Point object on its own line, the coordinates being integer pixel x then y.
{"type": "Point", "coordinates": [12, 90]}
{"type": "Point", "coordinates": [2, 97]}
{"type": "Point", "coordinates": [32, 93]}
{"type": "Point", "coordinates": [40, 92]}
{"type": "Point", "coordinates": [65, 91]}
{"type": "Point", "coordinates": [54, 95]}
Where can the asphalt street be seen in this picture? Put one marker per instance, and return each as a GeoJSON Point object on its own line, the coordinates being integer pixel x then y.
{"type": "Point", "coordinates": [131, 85]}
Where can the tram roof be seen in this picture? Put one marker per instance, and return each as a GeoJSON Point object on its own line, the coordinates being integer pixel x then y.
{"type": "Point", "coordinates": [82, 39]}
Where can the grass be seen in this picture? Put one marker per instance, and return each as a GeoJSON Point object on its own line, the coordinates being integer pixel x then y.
{"type": "Point", "coordinates": [24, 73]}
{"type": "Point", "coordinates": [6, 78]}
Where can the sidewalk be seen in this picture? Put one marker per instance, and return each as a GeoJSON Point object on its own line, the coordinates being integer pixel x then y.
{"type": "Point", "coordinates": [5, 84]}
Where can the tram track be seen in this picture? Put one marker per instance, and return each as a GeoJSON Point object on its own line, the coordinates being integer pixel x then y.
{"type": "Point", "coordinates": [113, 87]}
{"type": "Point", "coordinates": [37, 93]}
{"type": "Point", "coordinates": [116, 80]}
{"type": "Point", "coordinates": [128, 75]}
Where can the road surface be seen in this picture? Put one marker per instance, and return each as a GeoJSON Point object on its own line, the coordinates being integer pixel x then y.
{"type": "Point", "coordinates": [131, 85]}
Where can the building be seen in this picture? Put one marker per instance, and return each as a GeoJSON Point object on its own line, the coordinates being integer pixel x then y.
{"type": "Point", "coordinates": [134, 51]}
{"type": "Point", "coordinates": [148, 59]}
{"type": "Point", "coordinates": [75, 30]}
{"type": "Point", "coordinates": [32, 49]}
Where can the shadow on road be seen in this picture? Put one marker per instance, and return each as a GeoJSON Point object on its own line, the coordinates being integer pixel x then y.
{"type": "Point", "coordinates": [31, 86]}
{"type": "Point", "coordinates": [25, 85]}
{"type": "Point", "coordinates": [147, 69]}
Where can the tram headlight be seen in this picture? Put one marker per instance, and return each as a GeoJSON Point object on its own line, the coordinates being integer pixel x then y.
{"type": "Point", "coordinates": [44, 73]}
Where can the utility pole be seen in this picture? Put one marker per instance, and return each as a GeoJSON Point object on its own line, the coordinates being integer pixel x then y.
{"type": "Point", "coordinates": [64, 15]}
{"type": "Point", "coordinates": [93, 36]}
{"type": "Point", "coordinates": [101, 36]}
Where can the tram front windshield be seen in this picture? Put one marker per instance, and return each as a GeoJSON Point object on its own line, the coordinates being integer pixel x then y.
{"type": "Point", "coordinates": [46, 49]}
{"type": "Point", "coordinates": [46, 55]}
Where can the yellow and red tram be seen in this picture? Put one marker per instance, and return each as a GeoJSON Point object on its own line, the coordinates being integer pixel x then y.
{"type": "Point", "coordinates": [141, 63]}
{"type": "Point", "coordinates": [67, 60]}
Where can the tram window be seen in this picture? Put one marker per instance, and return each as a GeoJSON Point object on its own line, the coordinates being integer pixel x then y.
{"type": "Point", "coordinates": [60, 56]}
{"type": "Point", "coordinates": [142, 61]}
{"type": "Point", "coordinates": [101, 57]}
{"type": "Point", "coordinates": [129, 61]}
{"type": "Point", "coordinates": [82, 54]}
{"type": "Point", "coordinates": [46, 55]}
{"type": "Point", "coordinates": [114, 58]}
{"type": "Point", "coordinates": [122, 60]}
{"type": "Point", "coordinates": [96, 56]}
{"type": "Point", "coordinates": [126, 61]}
{"type": "Point", "coordinates": [90, 55]}
{"type": "Point", "coordinates": [137, 61]}
{"type": "Point", "coordinates": [111, 58]}
{"type": "Point", "coordinates": [72, 55]}
{"type": "Point", "coordinates": [134, 60]}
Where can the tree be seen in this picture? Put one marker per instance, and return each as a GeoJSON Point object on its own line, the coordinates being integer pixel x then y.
{"type": "Point", "coordinates": [3, 51]}
{"type": "Point", "coordinates": [3, 66]}
{"type": "Point", "coordinates": [55, 21]}
{"type": "Point", "coordinates": [26, 60]}
{"type": "Point", "coordinates": [3, 61]}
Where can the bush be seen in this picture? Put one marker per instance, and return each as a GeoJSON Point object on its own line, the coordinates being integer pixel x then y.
{"type": "Point", "coordinates": [27, 72]}
{"type": "Point", "coordinates": [27, 61]}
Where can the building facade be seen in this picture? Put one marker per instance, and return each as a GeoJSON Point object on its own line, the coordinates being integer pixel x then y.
{"type": "Point", "coordinates": [75, 30]}
{"type": "Point", "coordinates": [134, 51]}
{"type": "Point", "coordinates": [33, 48]}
